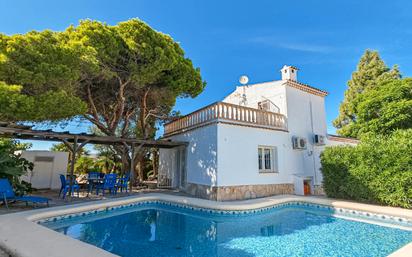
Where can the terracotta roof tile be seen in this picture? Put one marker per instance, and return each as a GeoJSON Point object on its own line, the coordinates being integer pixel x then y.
{"type": "Point", "coordinates": [343, 139]}
{"type": "Point", "coordinates": [306, 88]}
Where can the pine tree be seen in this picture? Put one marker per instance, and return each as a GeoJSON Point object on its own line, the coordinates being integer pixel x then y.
{"type": "Point", "coordinates": [371, 71]}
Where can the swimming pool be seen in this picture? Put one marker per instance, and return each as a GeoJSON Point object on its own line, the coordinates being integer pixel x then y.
{"type": "Point", "coordinates": [158, 229]}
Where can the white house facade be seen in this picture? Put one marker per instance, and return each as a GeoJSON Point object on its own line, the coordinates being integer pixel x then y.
{"type": "Point", "coordinates": [262, 139]}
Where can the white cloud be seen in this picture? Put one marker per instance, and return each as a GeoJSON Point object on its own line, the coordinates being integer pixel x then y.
{"type": "Point", "coordinates": [290, 45]}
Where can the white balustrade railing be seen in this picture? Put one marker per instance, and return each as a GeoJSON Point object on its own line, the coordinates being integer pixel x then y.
{"type": "Point", "coordinates": [230, 113]}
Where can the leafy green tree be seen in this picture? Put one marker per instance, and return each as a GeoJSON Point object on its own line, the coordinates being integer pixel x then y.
{"type": "Point", "coordinates": [129, 75]}
{"type": "Point", "coordinates": [370, 73]}
{"type": "Point", "coordinates": [50, 106]}
{"type": "Point", "coordinates": [386, 108]}
{"type": "Point", "coordinates": [61, 147]}
{"type": "Point", "coordinates": [12, 165]}
{"type": "Point", "coordinates": [84, 164]}
{"type": "Point", "coordinates": [36, 78]}
{"type": "Point", "coordinates": [106, 164]}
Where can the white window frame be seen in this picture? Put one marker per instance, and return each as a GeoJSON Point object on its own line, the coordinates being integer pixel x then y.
{"type": "Point", "coordinates": [262, 159]}
{"type": "Point", "coordinates": [268, 106]}
{"type": "Point", "coordinates": [264, 105]}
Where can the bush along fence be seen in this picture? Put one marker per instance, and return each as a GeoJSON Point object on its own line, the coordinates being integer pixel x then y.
{"type": "Point", "coordinates": [378, 170]}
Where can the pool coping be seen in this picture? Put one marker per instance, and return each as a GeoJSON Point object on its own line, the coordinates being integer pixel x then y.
{"type": "Point", "coordinates": [21, 236]}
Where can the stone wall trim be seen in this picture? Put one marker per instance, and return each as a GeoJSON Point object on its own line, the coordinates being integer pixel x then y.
{"type": "Point", "coordinates": [242, 192]}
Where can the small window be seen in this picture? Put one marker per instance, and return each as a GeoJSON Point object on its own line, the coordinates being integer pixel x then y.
{"type": "Point", "coordinates": [267, 159]}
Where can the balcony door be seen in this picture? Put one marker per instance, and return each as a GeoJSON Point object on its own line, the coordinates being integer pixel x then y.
{"type": "Point", "coordinates": [181, 175]}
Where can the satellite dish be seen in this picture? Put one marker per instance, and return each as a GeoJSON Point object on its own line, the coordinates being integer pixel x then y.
{"type": "Point", "coordinates": [243, 80]}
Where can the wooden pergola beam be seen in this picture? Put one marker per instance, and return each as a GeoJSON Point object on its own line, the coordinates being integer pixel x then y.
{"type": "Point", "coordinates": [47, 135]}
{"type": "Point", "coordinates": [75, 142]}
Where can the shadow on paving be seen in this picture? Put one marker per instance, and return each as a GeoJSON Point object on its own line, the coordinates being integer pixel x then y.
{"type": "Point", "coordinates": [57, 201]}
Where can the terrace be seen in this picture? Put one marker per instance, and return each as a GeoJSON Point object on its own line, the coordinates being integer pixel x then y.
{"type": "Point", "coordinates": [227, 113]}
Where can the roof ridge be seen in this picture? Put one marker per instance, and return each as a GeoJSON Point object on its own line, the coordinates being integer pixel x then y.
{"type": "Point", "coordinates": [307, 88]}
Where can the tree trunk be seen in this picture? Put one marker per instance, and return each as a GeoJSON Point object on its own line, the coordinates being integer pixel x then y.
{"type": "Point", "coordinates": [155, 162]}
{"type": "Point", "coordinates": [140, 165]}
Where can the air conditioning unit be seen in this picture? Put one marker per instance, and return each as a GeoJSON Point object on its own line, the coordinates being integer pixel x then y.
{"type": "Point", "coordinates": [319, 140]}
{"type": "Point", "coordinates": [299, 143]}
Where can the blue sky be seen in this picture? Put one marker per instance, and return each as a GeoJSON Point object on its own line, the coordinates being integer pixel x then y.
{"type": "Point", "coordinates": [226, 39]}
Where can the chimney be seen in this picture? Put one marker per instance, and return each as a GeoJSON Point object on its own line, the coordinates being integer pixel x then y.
{"type": "Point", "coordinates": [289, 73]}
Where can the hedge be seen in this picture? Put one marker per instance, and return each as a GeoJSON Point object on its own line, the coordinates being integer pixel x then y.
{"type": "Point", "coordinates": [378, 170]}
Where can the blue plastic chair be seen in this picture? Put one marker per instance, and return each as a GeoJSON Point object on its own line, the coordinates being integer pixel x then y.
{"type": "Point", "coordinates": [65, 187]}
{"type": "Point", "coordinates": [109, 183]}
{"type": "Point", "coordinates": [123, 182]}
{"type": "Point", "coordinates": [7, 194]}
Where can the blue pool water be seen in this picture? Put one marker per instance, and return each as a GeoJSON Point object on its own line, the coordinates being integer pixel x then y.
{"type": "Point", "coordinates": [158, 230]}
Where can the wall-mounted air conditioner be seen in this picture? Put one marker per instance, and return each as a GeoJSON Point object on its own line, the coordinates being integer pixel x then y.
{"type": "Point", "coordinates": [299, 143]}
{"type": "Point", "coordinates": [319, 140]}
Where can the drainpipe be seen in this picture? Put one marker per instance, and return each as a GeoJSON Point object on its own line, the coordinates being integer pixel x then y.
{"type": "Point", "coordinates": [313, 147]}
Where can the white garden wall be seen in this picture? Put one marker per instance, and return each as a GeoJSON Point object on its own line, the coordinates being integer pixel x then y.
{"type": "Point", "coordinates": [47, 168]}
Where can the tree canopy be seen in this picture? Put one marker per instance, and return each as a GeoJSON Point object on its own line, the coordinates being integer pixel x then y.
{"type": "Point", "coordinates": [36, 79]}
{"type": "Point", "coordinates": [48, 106]}
{"type": "Point", "coordinates": [371, 73]}
{"type": "Point", "coordinates": [110, 68]}
{"type": "Point", "coordinates": [386, 108]}
{"type": "Point", "coordinates": [123, 78]}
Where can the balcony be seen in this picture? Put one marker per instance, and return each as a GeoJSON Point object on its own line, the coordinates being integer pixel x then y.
{"type": "Point", "coordinates": [221, 112]}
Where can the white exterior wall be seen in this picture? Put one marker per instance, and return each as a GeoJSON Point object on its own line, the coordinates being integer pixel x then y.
{"type": "Point", "coordinates": [45, 174]}
{"type": "Point", "coordinates": [238, 156]}
{"type": "Point", "coordinates": [306, 117]}
{"type": "Point", "coordinates": [201, 156]}
{"type": "Point", "coordinates": [299, 105]}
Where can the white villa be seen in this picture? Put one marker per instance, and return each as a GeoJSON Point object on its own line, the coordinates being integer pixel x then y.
{"type": "Point", "coordinates": [262, 139]}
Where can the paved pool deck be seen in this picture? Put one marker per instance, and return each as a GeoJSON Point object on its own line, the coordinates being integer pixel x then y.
{"type": "Point", "coordinates": [39, 241]}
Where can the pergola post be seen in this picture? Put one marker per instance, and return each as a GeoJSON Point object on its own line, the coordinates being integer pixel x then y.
{"type": "Point", "coordinates": [132, 167]}
{"type": "Point", "coordinates": [74, 149]}
{"type": "Point", "coordinates": [73, 162]}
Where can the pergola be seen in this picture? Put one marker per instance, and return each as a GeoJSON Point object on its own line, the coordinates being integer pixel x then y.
{"type": "Point", "coordinates": [75, 142]}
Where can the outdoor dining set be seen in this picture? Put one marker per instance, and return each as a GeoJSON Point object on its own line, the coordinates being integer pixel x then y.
{"type": "Point", "coordinates": [96, 182]}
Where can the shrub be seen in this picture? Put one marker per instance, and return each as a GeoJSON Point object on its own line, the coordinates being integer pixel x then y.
{"type": "Point", "coordinates": [378, 170]}
{"type": "Point", "coordinates": [12, 165]}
